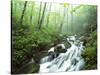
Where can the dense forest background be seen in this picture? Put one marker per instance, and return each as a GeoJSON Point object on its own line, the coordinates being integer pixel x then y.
{"type": "Point", "coordinates": [37, 26]}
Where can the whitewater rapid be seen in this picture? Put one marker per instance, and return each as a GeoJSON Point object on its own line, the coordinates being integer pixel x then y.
{"type": "Point", "coordinates": [71, 60]}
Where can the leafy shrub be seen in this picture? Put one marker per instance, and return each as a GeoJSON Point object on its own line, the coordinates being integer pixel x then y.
{"type": "Point", "coordinates": [90, 53]}
{"type": "Point", "coordinates": [28, 43]}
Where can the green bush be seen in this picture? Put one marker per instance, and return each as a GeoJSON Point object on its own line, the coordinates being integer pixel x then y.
{"type": "Point", "coordinates": [90, 52]}
{"type": "Point", "coordinates": [28, 43]}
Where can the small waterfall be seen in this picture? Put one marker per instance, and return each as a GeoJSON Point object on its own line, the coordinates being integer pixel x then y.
{"type": "Point", "coordinates": [47, 58]}
{"type": "Point", "coordinates": [71, 60]}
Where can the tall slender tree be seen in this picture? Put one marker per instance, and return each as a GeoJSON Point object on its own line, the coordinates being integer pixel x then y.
{"type": "Point", "coordinates": [42, 17]}
{"type": "Point", "coordinates": [67, 18]}
{"type": "Point", "coordinates": [48, 14]}
{"type": "Point", "coordinates": [23, 12]}
{"type": "Point", "coordinates": [31, 14]}
{"type": "Point", "coordinates": [62, 21]}
{"type": "Point", "coordinates": [39, 13]}
{"type": "Point", "coordinates": [55, 16]}
{"type": "Point", "coordinates": [71, 19]}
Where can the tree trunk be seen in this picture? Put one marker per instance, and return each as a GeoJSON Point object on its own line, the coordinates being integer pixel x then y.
{"type": "Point", "coordinates": [23, 12]}
{"type": "Point", "coordinates": [42, 18]}
{"type": "Point", "coordinates": [67, 20]}
{"type": "Point", "coordinates": [55, 17]}
{"type": "Point", "coordinates": [39, 13]}
{"type": "Point", "coordinates": [48, 15]}
{"type": "Point", "coordinates": [62, 21]}
{"type": "Point", "coordinates": [72, 19]}
{"type": "Point", "coordinates": [31, 15]}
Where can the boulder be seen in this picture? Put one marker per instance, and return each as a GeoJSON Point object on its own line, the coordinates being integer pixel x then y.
{"type": "Point", "coordinates": [85, 39]}
{"type": "Point", "coordinates": [60, 48]}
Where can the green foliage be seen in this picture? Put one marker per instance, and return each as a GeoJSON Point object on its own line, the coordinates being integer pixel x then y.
{"type": "Point", "coordinates": [76, 8]}
{"type": "Point", "coordinates": [90, 53]}
{"type": "Point", "coordinates": [29, 42]}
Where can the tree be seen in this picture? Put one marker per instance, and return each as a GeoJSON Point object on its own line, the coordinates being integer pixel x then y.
{"type": "Point", "coordinates": [23, 12]}
{"type": "Point", "coordinates": [39, 13]}
{"type": "Point", "coordinates": [31, 15]}
{"type": "Point", "coordinates": [62, 21]}
{"type": "Point", "coordinates": [48, 15]}
{"type": "Point", "coordinates": [72, 18]}
{"type": "Point", "coordinates": [42, 18]}
{"type": "Point", "coordinates": [67, 19]}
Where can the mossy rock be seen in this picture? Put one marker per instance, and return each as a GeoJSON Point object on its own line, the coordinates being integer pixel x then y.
{"type": "Point", "coordinates": [67, 44]}
{"type": "Point", "coordinates": [60, 50]}
{"type": "Point", "coordinates": [29, 68]}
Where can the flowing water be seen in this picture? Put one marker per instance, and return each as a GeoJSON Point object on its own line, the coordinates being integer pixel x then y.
{"type": "Point", "coordinates": [71, 60]}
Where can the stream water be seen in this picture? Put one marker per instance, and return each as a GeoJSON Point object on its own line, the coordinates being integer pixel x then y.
{"type": "Point", "coordinates": [71, 60]}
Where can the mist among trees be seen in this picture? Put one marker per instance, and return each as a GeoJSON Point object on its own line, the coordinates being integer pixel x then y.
{"type": "Point", "coordinates": [38, 26]}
